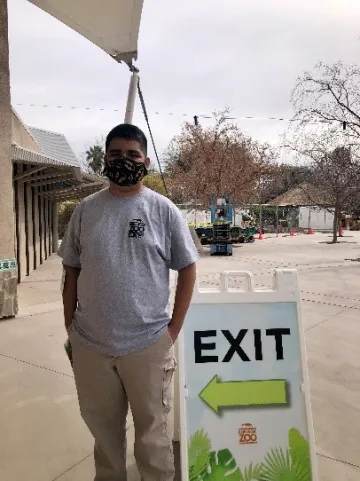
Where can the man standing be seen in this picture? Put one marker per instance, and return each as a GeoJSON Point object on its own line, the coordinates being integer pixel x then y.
{"type": "Point", "coordinates": [117, 253]}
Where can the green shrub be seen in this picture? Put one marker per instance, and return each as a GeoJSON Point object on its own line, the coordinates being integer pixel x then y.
{"type": "Point", "coordinates": [65, 211]}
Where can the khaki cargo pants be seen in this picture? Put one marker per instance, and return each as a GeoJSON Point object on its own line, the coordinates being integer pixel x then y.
{"type": "Point", "coordinates": [106, 386]}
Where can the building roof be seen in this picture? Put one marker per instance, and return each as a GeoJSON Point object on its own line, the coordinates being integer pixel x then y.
{"type": "Point", "coordinates": [113, 27]}
{"type": "Point", "coordinates": [50, 161]}
{"type": "Point", "coordinates": [21, 155]}
{"type": "Point", "coordinates": [20, 134]}
{"type": "Point", "coordinates": [55, 146]}
{"type": "Point", "coordinates": [302, 195]}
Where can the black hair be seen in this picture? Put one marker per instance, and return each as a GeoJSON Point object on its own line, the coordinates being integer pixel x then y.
{"type": "Point", "coordinates": [127, 132]}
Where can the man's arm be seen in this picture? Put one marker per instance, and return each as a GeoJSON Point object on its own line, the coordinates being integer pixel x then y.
{"type": "Point", "coordinates": [184, 291]}
{"type": "Point", "coordinates": [70, 294]}
{"type": "Point", "coordinates": [70, 251]}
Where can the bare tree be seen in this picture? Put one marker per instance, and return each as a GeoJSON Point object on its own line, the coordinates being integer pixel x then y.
{"type": "Point", "coordinates": [284, 178]}
{"type": "Point", "coordinates": [205, 162]}
{"type": "Point", "coordinates": [335, 168]}
{"type": "Point", "coordinates": [329, 94]}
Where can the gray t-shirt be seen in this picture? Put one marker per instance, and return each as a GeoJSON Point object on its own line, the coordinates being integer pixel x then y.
{"type": "Point", "coordinates": [125, 247]}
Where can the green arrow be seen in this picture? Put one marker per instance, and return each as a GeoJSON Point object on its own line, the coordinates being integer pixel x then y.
{"type": "Point", "coordinates": [236, 394]}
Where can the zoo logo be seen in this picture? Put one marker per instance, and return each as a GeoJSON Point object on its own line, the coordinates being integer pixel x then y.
{"type": "Point", "coordinates": [247, 434]}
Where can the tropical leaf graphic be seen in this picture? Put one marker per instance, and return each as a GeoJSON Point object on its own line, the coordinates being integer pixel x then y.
{"type": "Point", "coordinates": [278, 466]}
{"type": "Point", "coordinates": [300, 452]}
{"type": "Point", "coordinates": [222, 467]}
{"type": "Point", "coordinates": [293, 464]}
{"type": "Point", "coordinates": [199, 449]}
{"type": "Point", "coordinates": [252, 473]}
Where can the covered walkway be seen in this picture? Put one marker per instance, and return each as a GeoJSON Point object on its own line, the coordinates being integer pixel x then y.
{"type": "Point", "coordinates": [45, 171]}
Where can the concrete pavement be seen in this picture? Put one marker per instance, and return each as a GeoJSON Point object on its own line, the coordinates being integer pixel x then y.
{"type": "Point", "coordinates": [330, 294]}
{"type": "Point", "coordinates": [42, 435]}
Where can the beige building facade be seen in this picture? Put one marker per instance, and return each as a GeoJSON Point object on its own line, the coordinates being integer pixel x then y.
{"type": "Point", "coordinates": [8, 277]}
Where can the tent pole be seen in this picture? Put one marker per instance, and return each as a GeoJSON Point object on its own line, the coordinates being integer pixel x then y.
{"type": "Point", "coordinates": [130, 106]}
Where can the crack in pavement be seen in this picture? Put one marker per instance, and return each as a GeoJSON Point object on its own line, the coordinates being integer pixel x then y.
{"type": "Point", "coordinates": [72, 467]}
{"type": "Point", "coordinates": [339, 460]}
{"type": "Point", "coordinates": [332, 317]}
{"type": "Point", "coordinates": [36, 365]}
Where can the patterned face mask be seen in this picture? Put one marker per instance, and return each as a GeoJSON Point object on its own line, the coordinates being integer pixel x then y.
{"type": "Point", "coordinates": [124, 171]}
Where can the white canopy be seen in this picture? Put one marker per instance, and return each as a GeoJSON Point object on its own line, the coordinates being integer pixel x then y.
{"type": "Point", "coordinates": [112, 25]}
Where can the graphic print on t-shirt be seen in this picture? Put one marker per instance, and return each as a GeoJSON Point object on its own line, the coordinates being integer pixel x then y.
{"type": "Point", "coordinates": [136, 228]}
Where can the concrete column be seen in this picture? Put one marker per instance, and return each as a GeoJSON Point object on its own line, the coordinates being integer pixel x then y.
{"type": "Point", "coordinates": [21, 226]}
{"type": "Point", "coordinates": [43, 224]}
{"type": "Point", "coordinates": [36, 224]}
{"type": "Point", "coordinates": [8, 272]}
{"type": "Point", "coordinates": [30, 225]}
{"type": "Point", "coordinates": [55, 228]}
{"type": "Point", "coordinates": [50, 227]}
{"type": "Point", "coordinates": [46, 225]}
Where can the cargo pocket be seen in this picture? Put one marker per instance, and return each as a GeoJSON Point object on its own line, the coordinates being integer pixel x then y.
{"type": "Point", "coordinates": [167, 385]}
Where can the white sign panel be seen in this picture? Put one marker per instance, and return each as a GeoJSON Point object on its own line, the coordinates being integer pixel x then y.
{"type": "Point", "coordinates": [245, 410]}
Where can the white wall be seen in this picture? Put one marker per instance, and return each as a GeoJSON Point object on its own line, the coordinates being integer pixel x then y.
{"type": "Point", "coordinates": [316, 218]}
{"type": "Point", "coordinates": [198, 216]}
{"type": "Point", "coordinates": [239, 214]}
{"type": "Point", "coordinates": [203, 216]}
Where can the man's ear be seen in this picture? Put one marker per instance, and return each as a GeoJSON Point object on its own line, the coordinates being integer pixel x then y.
{"type": "Point", "coordinates": [147, 162]}
{"type": "Point", "coordinates": [105, 158]}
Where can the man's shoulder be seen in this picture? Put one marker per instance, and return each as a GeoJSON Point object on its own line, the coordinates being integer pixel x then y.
{"type": "Point", "coordinates": [92, 199]}
{"type": "Point", "coordinates": [161, 201]}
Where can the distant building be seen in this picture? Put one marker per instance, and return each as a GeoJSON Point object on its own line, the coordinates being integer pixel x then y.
{"type": "Point", "coordinates": [316, 218]}
{"type": "Point", "coordinates": [310, 208]}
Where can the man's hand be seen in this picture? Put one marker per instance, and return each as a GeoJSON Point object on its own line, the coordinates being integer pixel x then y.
{"type": "Point", "coordinates": [70, 294]}
{"type": "Point", "coordinates": [184, 291]}
{"type": "Point", "coordinates": [173, 332]}
{"type": "Point", "coordinates": [68, 350]}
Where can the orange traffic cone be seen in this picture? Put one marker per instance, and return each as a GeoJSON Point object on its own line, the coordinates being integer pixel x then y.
{"type": "Point", "coordinates": [260, 236]}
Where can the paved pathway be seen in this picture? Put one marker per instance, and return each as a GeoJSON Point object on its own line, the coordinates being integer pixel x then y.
{"type": "Point", "coordinates": [42, 435]}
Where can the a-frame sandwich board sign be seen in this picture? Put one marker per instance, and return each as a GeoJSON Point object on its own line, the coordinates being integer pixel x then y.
{"type": "Point", "coordinates": [245, 409]}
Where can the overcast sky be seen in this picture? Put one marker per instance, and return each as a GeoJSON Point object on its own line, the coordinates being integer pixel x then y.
{"type": "Point", "coordinates": [194, 57]}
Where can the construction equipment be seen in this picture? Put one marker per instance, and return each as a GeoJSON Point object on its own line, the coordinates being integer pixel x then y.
{"type": "Point", "coordinates": [221, 217]}
{"type": "Point", "coordinates": [205, 234]}
{"type": "Point", "coordinates": [244, 233]}
{"type": "Point", "coordinates": [239, 235]}
{"type": "Point", "coordinates": [249, 233]}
